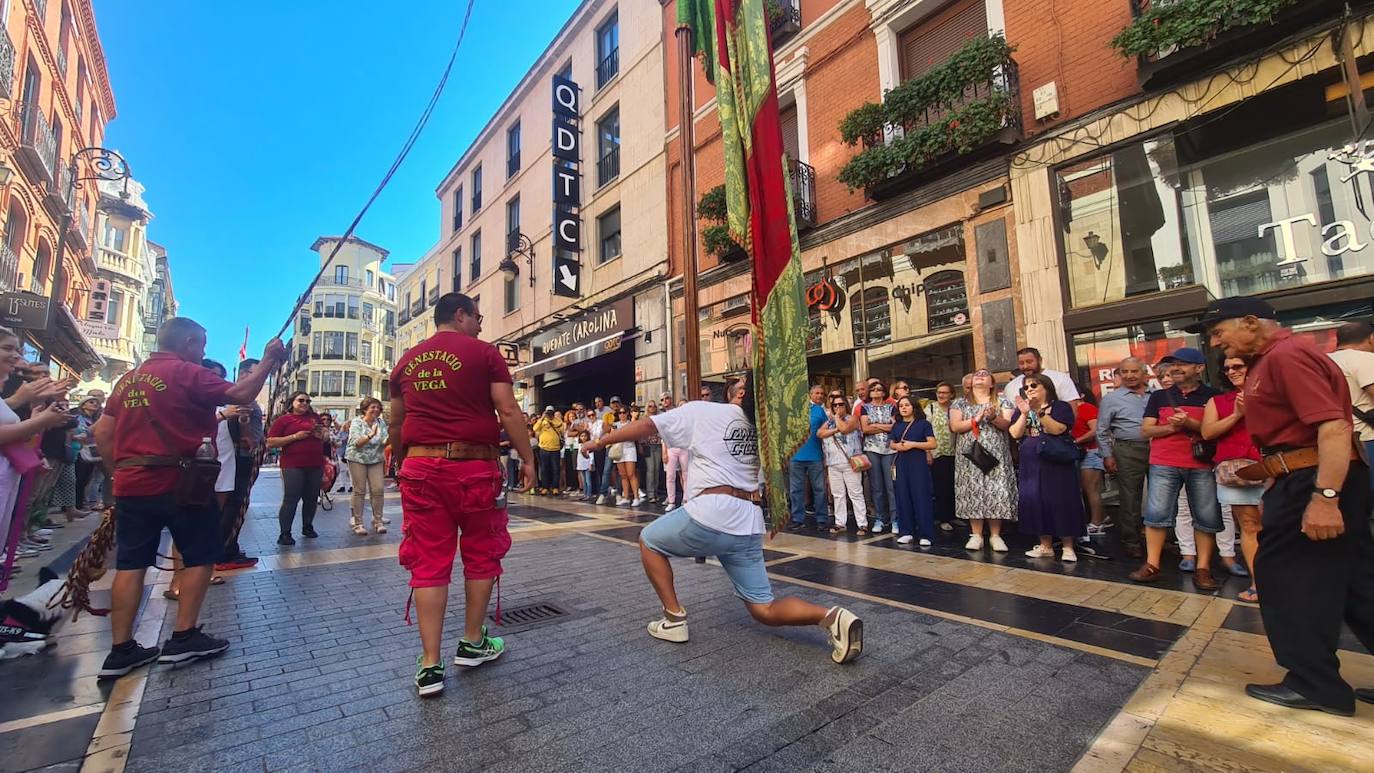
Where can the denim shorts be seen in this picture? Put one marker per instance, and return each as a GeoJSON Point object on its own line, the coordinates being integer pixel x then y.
{"type": "Point", "coordinates": [1239, 495]}
{"type": "Point", "coordinates": [676, 535]}
{"type": "Point", "coordinates": [1092, 461]}
{"type": "Point", "coordinates": [1161, 498]}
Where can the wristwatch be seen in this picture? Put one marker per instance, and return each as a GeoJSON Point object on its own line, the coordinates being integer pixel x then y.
{"type": "Point", "coordinates": [1326, 493]}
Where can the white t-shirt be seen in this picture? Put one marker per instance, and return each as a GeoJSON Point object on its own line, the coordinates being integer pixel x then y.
{"type": "Point", "coordinates": [1063, 385]}
{"type": "Point", "coordinates": [1358, 368]}
{"type": "Point", "coordinates": [724, 450]}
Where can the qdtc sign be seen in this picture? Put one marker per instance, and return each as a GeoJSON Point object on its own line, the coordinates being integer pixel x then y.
{"type": "Point", "coordinates": [567, 187]}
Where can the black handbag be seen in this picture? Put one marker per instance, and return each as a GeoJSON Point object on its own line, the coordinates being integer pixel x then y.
{"type": "Point", "coordinates": [1058, 449]}
{"type": "Point", "coordinates": [981, 457]}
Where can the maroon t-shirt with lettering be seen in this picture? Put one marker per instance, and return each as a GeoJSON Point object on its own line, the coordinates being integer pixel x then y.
{"type": "Point", "coordinates": [182, 396]}
{"type": "Point", "coordinates": [1290, 389]}
{"type": "Point", "coordinates": [445, 383]}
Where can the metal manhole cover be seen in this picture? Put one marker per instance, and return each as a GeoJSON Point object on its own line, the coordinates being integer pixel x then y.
{"type": "Point", "coordinates": [531, 615]}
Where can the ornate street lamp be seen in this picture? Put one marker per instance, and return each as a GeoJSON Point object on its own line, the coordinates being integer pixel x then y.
{"type": "Point", "coordinates": [517, 244]}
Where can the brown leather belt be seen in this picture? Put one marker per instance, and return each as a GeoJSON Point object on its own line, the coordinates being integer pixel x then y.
{"type": "Point", "coordinates": [1282, 463]}
{"type": "Point", "coordinates": [737, 493]}
{"type": "Point", "coordinates": [455, 450]}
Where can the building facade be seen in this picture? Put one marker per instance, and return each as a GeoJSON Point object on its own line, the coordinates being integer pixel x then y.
{"type": "Point", "coordinates": [53, 74]}
{"type": "Point", "coordinates": [126, 267]}
{"type": "Point", "coordinates": [344, 344]}
{"type": "Point", "coordinates": [553, 219]}
{"type": "Point", "coordinates": [160, 303]}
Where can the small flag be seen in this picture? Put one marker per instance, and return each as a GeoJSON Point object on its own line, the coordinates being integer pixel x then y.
{"type": "Point", "coordinates": [243, 350]}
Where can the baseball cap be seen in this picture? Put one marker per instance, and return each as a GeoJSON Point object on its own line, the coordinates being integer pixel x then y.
{"type": "Point", "coordinates": [1187, 355]}
{"type": "Point", "coordinates": [1231, 308]}
{"type": "Point", "coordinates": [615, 399]}
{"type": "Point", "coordinates": [548, 409]}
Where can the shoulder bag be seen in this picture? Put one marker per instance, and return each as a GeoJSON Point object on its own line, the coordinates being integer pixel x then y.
{"type": "Point", "coordinates": [857, 462]}
{"type": "Point", "coordinates": [981, 457]}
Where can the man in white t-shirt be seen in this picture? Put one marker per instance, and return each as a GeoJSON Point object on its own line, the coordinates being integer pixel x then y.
{"type": "Point", "coordinates": [722, 519]}
{"type": "Point", "coordinates": [1354, 355]}
{"type": "Point", "coordinates": [1030, 363]}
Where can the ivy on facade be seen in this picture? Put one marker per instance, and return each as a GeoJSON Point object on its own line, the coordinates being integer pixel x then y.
{"type": "Point", "coordinates": [1184, 23]}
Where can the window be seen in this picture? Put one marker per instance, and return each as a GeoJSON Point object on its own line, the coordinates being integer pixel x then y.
{"type": "Point", "coordinates": [341, 275]}
{"type": "Point", "coordinates": [423, 293]}
{"type": "Point", "coordinates": [350, 383]}
{"type": "Point", "coordinates": [607, 51]}
{"type": "Point", "coordinates": [389, 353]}
{"type": "Point", "coordinates": [476, 189]}
{"type": "Point", "coordinates": [390, 322]}
{"type": "Point", "coordinates": [457, 268]}
{"type": "Point", "coordinates": [512, 150]}
{"type": "Point", "coordinates": [114, 307]}
{"type": "Point", "coordinates": [314, 382]}
{"type": "Point", "coordinates": [365, 385]}
{"type": "Point", "coordinates": [116, 236]}
{"type": "Point", "coordinates": [475, 257]}
{"type": "Point", "coordinates": [369, 313]}
{"type": "Point", "coordinates": [566, 72]}
{"type": "Point", "coordinates": [873, 324]}
{"type": "Point", "coordinates": [608, 147]}
{"type": "Point", "coordinates": [365, 352]}
{"type": "Point", "coordinates": [331, 383]}
{"type": "Point", "coordinates": [351, 346]}
{"type": "Point", "coordinates": [608, 234]}
{"type": "Point", "coordinates": [352, 307]}
{"type": "Point", "coordinates": [791, 141]}
{"type": "Point", "coordinates": [391, 291]}
{"type": "Point", "coordinates": [458, 209]}
{"type": "Point", "coordinates": [368, 280]}
{"type": "Point", "coordinates": [302, 352]}
{"type": "Point", "coordinates": [512, 294]}
{"type": "Point", "coordinates": [408, 302]}
{"type": "Point", "coordinates": [333, 346]}
{"type": "Point", "coordinates": [317, 342]}
{"type": "Point", "coordinates": [512, 224]}
{"type": "Point", "coordinates": [935, 38]}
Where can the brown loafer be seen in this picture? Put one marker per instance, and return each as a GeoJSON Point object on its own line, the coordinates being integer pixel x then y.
{"type": "Point", "coordinates": [1203, 580]}
{"type": "Point", "coordinates": [1146, 573]}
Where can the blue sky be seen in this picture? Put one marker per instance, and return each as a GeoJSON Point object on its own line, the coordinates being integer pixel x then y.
{"type": "Point", "coordinates": [259, 125]}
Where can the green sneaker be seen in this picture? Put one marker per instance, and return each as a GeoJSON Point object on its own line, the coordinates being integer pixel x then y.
{"type": "Point", "coordinates": [469, 654]}
{"type": "Point", "coordinates": [429, 680]}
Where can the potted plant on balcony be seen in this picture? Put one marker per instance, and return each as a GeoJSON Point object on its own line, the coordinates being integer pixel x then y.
{"type": "Point", "coordinates": [715, 237]}
{"type": "Point", "coordinates": [965, 103]}
{"type": "Point", "coordinates": [1164, 27]}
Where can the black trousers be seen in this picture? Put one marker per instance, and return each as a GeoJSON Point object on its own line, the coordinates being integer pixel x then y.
{"type": "Point", "coordinates": [942, 471]}
{"type": "Point", "coordinates": [1307, 587]}
{"type": "Point", "coordinates": [229, 519]}
{"type": "Point", "coordinates": [301, 485]}
{"type": "Point", "coordinates": [548, 468]}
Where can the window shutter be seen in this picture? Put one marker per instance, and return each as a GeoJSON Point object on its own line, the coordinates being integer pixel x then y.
{"type": "Point", "coordinates": [934, 39]}
{"type": "Point", "coordinates": [790, 142]}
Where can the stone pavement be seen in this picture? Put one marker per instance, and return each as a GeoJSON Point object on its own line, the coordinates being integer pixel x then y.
{"type": "Point", "coordinates": [968, 665]}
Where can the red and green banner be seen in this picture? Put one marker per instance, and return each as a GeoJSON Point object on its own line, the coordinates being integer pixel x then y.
{"type": "Point", "coordinates": [732, 38]}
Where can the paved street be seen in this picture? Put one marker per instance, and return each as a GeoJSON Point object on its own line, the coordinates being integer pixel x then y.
{"type": "Point", "coordinates": [967, 666]}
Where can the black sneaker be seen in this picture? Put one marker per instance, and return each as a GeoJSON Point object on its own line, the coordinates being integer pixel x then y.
{"type": "Point", "coordinates": [429, 680]}
{"type": "Point", "coordinates": [194, 644]}
{"type": "Point", "coordinates": [311, 533]}
{"type": "Point", "coordinates": [122, 660]}
{"type": "Point", "coordinates": [285, 539]}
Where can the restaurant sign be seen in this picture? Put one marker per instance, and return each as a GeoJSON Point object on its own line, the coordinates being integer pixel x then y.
{"type": "Point", "coordinates": [617, 317]}
{"type": "Point", "coordinates": [25, 310]}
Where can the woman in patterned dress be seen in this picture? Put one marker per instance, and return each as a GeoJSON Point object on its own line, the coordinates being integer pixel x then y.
{"type": "Point", "coordinates": [979, 497]}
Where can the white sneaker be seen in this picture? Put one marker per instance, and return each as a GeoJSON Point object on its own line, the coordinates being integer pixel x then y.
{"type": "Point", "coordinates": [925, 543]}
{"type": "Point", "coordinates": [998, 544]}
{"type": "Point", "coordinates": [43, 532]}
{"type": "Point", "coordinates": [668, 630]}
{"type": "Point", "coordinates": [639, 500]}
{"type": "Point", "coordinates": [975, 542]}
{"type": "Point", "coordinates": [601, 500]}
{"type": "Point", "coordinates": [846, 636]}
{"type": "Point", "coordinates": [905, 539]}
{"type": "Point", "coordinates": [1069, 555]}
{"type": "Point", "coordinates": [946, 526]}
{"type": "Point", "coordinates": [1040, 551]}
{"type": "Point", "coordinates": [621, 502]}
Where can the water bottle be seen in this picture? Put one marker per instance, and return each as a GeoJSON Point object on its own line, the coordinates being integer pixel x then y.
{"type": "Point", "coordinates": [206, 450]}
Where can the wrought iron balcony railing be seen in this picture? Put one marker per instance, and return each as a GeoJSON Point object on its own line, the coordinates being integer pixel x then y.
{"type": "Point", "coordinates": [608, 167]}
{"type": "Point", "coordinates": [37, 144]}
{"type": "Point", "coordinates": [6, 65]}
{"type": "Point", "coordinates": [784, 20]}
{"type": "Point", "coordinates": [608, 67]}
{"type": "Point", "coordinates": [9, 268]}
{"type": "Point", "coordinates": [802, 177]}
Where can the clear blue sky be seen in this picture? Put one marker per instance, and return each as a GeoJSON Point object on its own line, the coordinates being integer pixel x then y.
{"type": "Point", "coordinates": [259, 125]}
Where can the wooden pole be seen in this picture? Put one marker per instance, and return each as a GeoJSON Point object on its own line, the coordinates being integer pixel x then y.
{"type": "Point", "coordinates": [687, 142]}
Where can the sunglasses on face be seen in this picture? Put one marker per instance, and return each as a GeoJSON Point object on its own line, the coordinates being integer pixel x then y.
{"type": "Point", "coordinates": [1231, 368]}
{"type": "Point", "coordinates": [303, 400]}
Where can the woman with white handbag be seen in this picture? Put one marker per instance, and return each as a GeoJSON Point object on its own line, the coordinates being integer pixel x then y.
{"type": "Point", "coordinates": [845, 462]}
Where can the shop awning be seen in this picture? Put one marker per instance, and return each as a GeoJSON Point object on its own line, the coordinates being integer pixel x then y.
{"type": "Point", "coordinates": [582, 353]}
{"type": "Point", "coordinates": [65, 343]}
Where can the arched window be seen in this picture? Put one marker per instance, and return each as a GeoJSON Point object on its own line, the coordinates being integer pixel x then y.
{"type": "Point", "coordinates": [946, 300]}
{"type": "Point", "coordinates": [871, 316]}
{"type": "Point", "coordinates": [738, 347]}
{"type": "Point", "coordinates": [16, 225]}
{"type": "Point", "coordinates": [42, 267]}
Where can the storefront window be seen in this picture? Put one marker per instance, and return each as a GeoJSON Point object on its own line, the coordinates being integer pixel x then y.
{"type": "Point", "coordinates": [1292, 210]}
{"type": "Point", "coordinates": [1098, 353]}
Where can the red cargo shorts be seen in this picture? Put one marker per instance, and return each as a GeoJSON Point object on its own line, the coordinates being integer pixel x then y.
{"type": "Point", "coordinates": [448, 506]}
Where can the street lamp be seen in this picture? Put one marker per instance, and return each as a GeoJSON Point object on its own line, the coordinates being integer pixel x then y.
{"type": "Point", "coordinates": [105, 165]}
{"type": "Point", "coordinates": [517, 244]}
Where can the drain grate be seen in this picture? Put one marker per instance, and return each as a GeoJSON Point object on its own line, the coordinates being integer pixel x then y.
{"type": "Point", "coordinates": [531, 615]}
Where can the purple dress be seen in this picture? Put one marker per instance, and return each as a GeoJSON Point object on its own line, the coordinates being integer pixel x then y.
{"type": "Point", "coordinates": [1051, 500]}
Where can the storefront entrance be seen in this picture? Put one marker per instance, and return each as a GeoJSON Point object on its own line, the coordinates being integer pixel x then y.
{"type": "Point", "coordinates": [605, 376]}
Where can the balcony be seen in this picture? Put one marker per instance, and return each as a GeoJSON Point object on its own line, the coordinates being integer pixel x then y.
{"type": "Point", "coordinates": [784, 20]}
{"type": "Point", "coordinates": [37, 153]}
{"type": "Point", "coordinates": [9, 268]}
{"type": "Point", "coordinates": [802, 178]}
{"type": "Point", "coordinates": [608, 168]}
{"type": "Point", "coordinates": [55, 198]}
{"type": "Point", "coordinates": [1174, 40]}
{"type": "Point", "coordinates": [333, 281]}
{"type": "Point", "coordinates": [61, 56]}
{"type": "Point", "coordinates": [403, 316]}
{"type": "Point", "coordinates": [965, 109]}
{"type": "Point", "coordinates": [6, 65]}
{"type": "Point", "coordinates": [433, 296]}
{"type": "Point", "coordinates": [417, 308]}
{"type": "Point", "coordinates": [109, 260]}
{"type": "Point", "coordinates": [608, 67]}
{"type": "Point", "coordinates": [80, 229]}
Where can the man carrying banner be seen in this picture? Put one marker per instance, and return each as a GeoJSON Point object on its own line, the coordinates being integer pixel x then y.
{"type": "Point", "coordinates": [722, 519]}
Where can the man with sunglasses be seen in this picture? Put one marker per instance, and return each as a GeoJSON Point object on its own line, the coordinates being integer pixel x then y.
{"type": "Point", "coordinates": [451, 397]}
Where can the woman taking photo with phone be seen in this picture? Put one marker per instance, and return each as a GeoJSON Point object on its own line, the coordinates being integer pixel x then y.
{"type": "Point", "coordinates": [1051, 503]}
{"type": "Point", "coordinates": [367, 436]}
{"type": "Point", "coordinates": [301, 439]}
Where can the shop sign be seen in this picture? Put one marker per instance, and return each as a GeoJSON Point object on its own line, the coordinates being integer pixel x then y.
{"type": "Point", "coordinates": [95, 329]}
{"type": "Point", "coordinates": [24, 310]}
{"type": "Point", "coordinates": [618, 317]}
{"type": "Point", "coordinates": [567, 187]}
{"type": "Point", "coordinates": [1338, 236]}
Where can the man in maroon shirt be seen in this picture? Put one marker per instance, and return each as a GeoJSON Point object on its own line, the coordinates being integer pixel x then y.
{"type": "Point", "coordinates": [447, 395]}
{"type": "Point", "coordinates": [158, 414]}
{"type": "Point", "coordinates": [1315, 547]}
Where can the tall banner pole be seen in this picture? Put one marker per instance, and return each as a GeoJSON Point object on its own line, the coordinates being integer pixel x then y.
{"type": "Point", "coordinates": [687, 142]}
